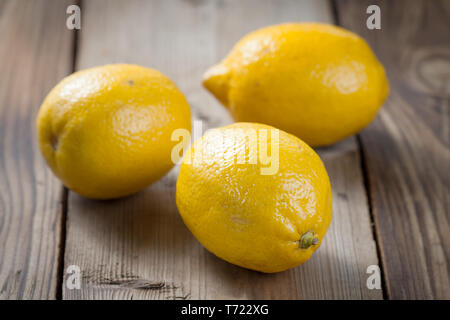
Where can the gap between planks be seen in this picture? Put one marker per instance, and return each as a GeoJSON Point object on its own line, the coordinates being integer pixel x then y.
{"type": "Point", "coordinates": [365, 176]}
{"type": "Point", "coordinates": [65, 192]}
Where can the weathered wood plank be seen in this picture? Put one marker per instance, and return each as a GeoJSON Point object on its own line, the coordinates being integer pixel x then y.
{"type": "Point", "coordinates": [407, 148]}
{"type": "Point", "coordinates": [35, 53]}
{"type": "Point", "coordinates": [138, 247]}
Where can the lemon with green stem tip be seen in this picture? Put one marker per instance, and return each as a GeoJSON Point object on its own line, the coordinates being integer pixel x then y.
{"type": "Point", "coordinates": [264, 220]}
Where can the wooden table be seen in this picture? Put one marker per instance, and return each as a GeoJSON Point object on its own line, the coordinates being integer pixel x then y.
{"type": "Point", "coordinates": [390, 182]}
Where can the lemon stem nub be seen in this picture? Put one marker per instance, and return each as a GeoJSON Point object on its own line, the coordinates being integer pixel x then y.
{"type": "Point", "coordinates": [217, 81]}
{"type": "Point", "coordinates": [307, 240]}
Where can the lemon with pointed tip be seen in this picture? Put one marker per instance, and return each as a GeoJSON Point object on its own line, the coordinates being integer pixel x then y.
{"type": "Point", "coordinates": [265, 213]}
{"type": "Point", "coordinates": [319, 82]}
{"type": "Point", "coordinates": [106, 131]}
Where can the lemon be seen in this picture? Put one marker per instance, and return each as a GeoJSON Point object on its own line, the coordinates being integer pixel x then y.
{"type": "Point", "coordinates": [106, 131]}
{"type": "Point", "coordinates": [319, 82]}
{"type": "Point", "coordinates": [255, 196]}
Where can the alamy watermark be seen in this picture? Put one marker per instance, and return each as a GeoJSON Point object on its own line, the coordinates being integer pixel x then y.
{"type": "Point", "coordinates": [73, 281]}
{"type": "Point", "coordinates": [374, 280]}
{"type": "Point", "coordinates": [374, 20]}
{"type": "Point", "coordinates": [73, 21]}
{"type": "Point", "coordinates": [261, 146]}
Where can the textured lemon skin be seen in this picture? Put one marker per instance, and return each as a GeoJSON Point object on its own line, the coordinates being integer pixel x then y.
{"type": "Point", "coordinates": [319, 82]}
{"type": "Point", "coordinates": [106, 131]}
{"type": "Point", "coordinates": [252, 220]}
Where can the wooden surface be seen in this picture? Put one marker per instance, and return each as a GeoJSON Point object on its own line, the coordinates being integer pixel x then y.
{"type": "Point", "coordinates": [390, 184]}
{"type": "Point", "coordinates": [35, 53]}
{"type": "Point", "coordinates": [142, 241]}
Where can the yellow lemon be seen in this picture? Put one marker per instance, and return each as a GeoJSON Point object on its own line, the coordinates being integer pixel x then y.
{"type": "Point", "coordinates": [319, 82]}
{"type": "Point", "coordinates": [255, 196]}
{"type": "Point", "coordinates": [106, 131]}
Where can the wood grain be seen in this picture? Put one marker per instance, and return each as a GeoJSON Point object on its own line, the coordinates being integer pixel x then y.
{"type": "Point", "coordinates": [407, 148]}
{"type": "Point", "coordinates": [138, 247]}
{"type": "Point", "coordinates": [35, 53]}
